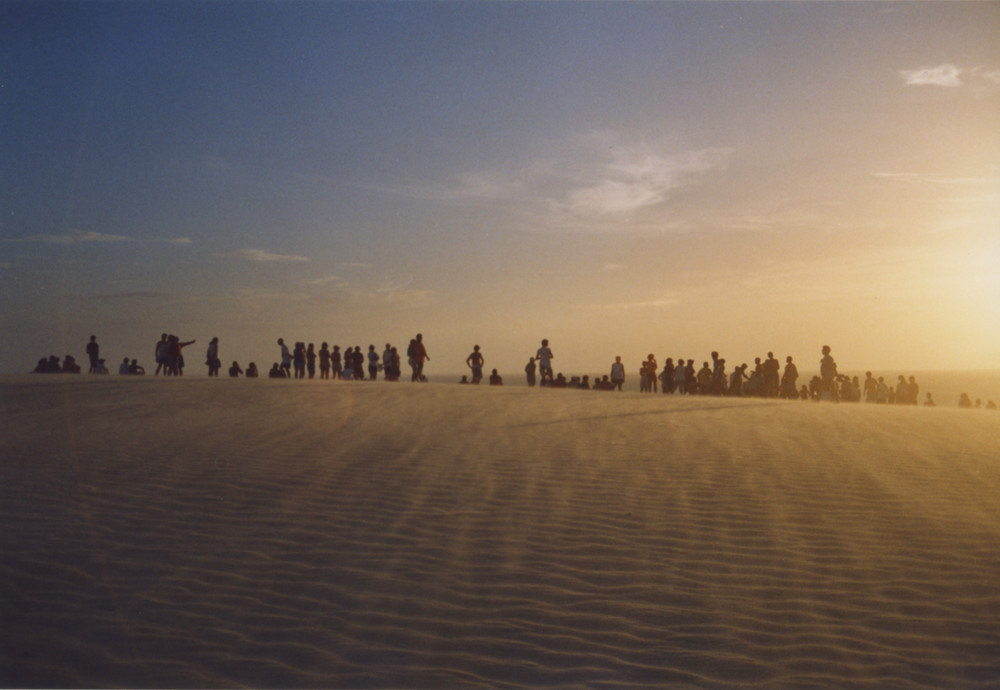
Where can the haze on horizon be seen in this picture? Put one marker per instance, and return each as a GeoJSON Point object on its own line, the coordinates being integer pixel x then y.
{"type": "Point", "coordinates": [620, 178]}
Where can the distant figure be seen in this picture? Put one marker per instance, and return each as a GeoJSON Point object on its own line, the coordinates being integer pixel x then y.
{"type": "Point", "coordinates": [529, 371]}
{"type": "Point", "coordinates": [162, 355]}
{"type": "Point", "coordinates": [93, 351]}
{"type": "Point", "coordinates": [495, 379]}
{"type": "Point", "coordinates": [311, 360]}
{"type": "Point", "coordinates": [902, 391]}
{"type": "Point", "coordinates": [964, 400]}
{"type": "Point", "coordinates": [870, 387]}
{"type": "Point", "coordinates": [348, 364]}
{"type": "Point", "coordinates": [123, 367]}
{"type": "Point", "coordinates": [299, 360]}
{"type": "Point", "coordinates": [135, 369]}
{"type": "Point", "coordinates": [929, 402]}
{"type": "Point", "coordinates": [667, 384]}
{"type": "Point", "coordinates": [771, 367]}
{"type": "Point", "coordinates": [277, 372]}
{"type": "Point", "coordinates": [604, 384]}
{"type": "Point", "coordinates": [680, 377]}
{"type": "Point", "coordinates": [618, 373]}
{"type": "Point", "coordinates": [286, 359]}
{"type": "Point", "coordinates": [324, 361]}
{"type": "Point", "coordinates": [387, 363]}
{"type": "Point", "coordinates": [559, 381]}
{"type": "Point", "coordinates": [704, 378]}
{"type": "Point", "coordinates": [789, 390]}
{"type": "Point", "coordinates": [359, 363]}
{"type": "Point", "coordinates": [648, 373]}
{"type": "Point", "coordinates": [544, 357]}
{"type": "Point", "coordinates": [252, 372]}
{"type": "Point", "coordinates": [914, 390]}
{"type": "Point", "coordinates": [990, 405]}
{"type": "Point", "coordinates": [828, 375]}
{"type": "Point", "coordinates": [373, 360]}
{"type": "Point", "coordinates": [737, 380]}
{"type": "Point", "coordinates": [336, 364]}
{"type": "Point", "coordinates": [475, 362]}
{"type": "Point", "coordinates": [419, 357]}
{"type": "Point", "coordinates": [465, 379]}
{"type": "Point", "coordinates": [235, 370]}
{"type": "Point", "coordinates": [69, 365]}
{"type": "Point", "coordinates": [212, 358]}
{"type": "Point", "coordinates": [175, 355]}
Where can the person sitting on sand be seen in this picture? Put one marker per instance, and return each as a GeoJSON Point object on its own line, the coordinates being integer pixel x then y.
{"type": "Point", "coordinates": [964, 401]}
{"type": "Point", "coordinates": [235, 370]}
{"type": "Point", "coordinates": [929, 402]}
{"type": "Point", "coordinates": [465, 380]}
{"type": "Point", "coordinates": [990, 405]}
{"type": "Point", "coordinates": [252, 372]}
{"type": "Point", "coordinates": [495, 379]}
{"type": "Point", "coordinates": [529, 371]}
{"type": "Point", "coordinates": [136, 369]}
{"type": "Point", "coordinates": [277, 372]}
{"type": "Point", "coordinates": [123, 367]}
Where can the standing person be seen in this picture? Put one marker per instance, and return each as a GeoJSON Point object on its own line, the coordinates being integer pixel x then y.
{"type": "Point", "coordinates": [286, 359]}
{"type": "Point", "coordinates": [618, 373]}
{"type": "Point", "coordinates": [299, 360]}
{"type": "Point", "coordinates": [336, 364]}
{"type": "Point", "coordinates": [475, 362]}
{"type": "Point", "coordinates": [359, 363]}
{"type": "Point", "coordinates": [771, 378]}
{"type": "Point", "coordinates": [387, 362]}
{"type": "Point", "coordinates": [93, 351]}
{"type": "Point", "coordinates": [372, 363]}
{"type": "Point", "coordinates": [311, 360]}
{"type": "Point", "coordinates": [545, 357]}
{"type": "Point", "coordinates": [349, 364]}
{"type": "Point", "coordinates": [828, 374]}
{"type": "Point", "coordinates": [419, 357]}
{"type": "Point", "coordinates": [161, 355]}
{"type": "Point", "coordinates": [667, 376]}
{"type": "Point", "coordinates": [788, 379]}
{"type": "Point", "coordinates": [212, 358]}
{"type": "Point", "coordinates": [324, 361]}
{"type": "Point", "coordinates": [529, 371]}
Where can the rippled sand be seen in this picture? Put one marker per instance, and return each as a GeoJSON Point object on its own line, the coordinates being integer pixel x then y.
{"type": "Point", "coordinates": [258, 533]}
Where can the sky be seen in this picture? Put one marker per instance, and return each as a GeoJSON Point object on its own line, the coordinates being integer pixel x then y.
{"type": "Point", "coordinates": [619, 178]}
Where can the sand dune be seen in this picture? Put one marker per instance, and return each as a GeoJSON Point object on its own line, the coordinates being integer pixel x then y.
{"type": "Point", "coordinates": [262, 533]}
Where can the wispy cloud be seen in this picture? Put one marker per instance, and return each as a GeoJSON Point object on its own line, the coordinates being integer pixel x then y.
{"type": "Point", "coordinates": [947, 75]}
{"type": "Point", "coordinates": [638, 177]}
{"type": "Point", "coordinates": [75, 237]}
{"type": "Point", "coordinates": [661, 301]}
{"type": "Point", "coordinates": [264, 256]}
{"type": "Point", "coordinates": [468, 186]}
{"type": "Point", "coordinates": [326, 280]}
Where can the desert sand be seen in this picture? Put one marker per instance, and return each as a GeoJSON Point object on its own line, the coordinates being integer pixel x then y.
{"type": "Point", "coordinates": [192, 533]}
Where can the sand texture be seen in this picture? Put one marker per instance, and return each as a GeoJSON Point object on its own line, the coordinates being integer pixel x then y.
{"type": "Point", "coordinates": [305, 534]}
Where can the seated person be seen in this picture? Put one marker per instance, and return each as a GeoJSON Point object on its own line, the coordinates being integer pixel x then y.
{"type": "Point", "coordinates": [276, 372]}
{"type": "Point", "coordinates": [495, 379]}
{"type": "Point", "coordinates": [235, 370]}
{"type": "Point", "coordinates": [252, 371]}
{"type": "Point", "coordinates": [136, 369]}
{"type": "Point", "coordinates": [123, 367]}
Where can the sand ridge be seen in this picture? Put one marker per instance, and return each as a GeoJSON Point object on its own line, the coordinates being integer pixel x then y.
{"type": "Point", "coordinates": [228, 533]}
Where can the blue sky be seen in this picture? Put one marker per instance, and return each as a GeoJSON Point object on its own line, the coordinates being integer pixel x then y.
{"type": "Point", "coordinates": [621, 178]}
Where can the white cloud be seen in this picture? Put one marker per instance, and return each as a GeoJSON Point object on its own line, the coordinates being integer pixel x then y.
{"type": "Point", "coordinates": [325, 280]}
{"type": "Point", "coordinates": [264, 256]}
{"type": "Point", "coordinates": [76, 237]}
{"type": "Point", "coordinates": [613, 267]}
{"type": "Point", "coordinates": [636, 178]}
{"type": "Point", "coordinates": [946, 74]}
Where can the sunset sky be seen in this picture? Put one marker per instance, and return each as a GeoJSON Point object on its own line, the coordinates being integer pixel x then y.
{"type": "Point", "coordinates": [620, 178]}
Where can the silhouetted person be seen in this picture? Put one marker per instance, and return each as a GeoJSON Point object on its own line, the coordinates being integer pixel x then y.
{"type": "Point", "coordinates": [336, 363]}
{"type": "Point", "coordinates": [135, 369]}
{"type": "Point", "coordinates": [929, 402]}
{"type": "Point", "coordinates": [964, 400]}
{"type": "Point", "coordinates": [420, 356]}
{"type": "Point", "coordinates": [162, 355]}
{"type": "Point", "coordinates": [324, 361]}
{"type": "Point", "coordinates": [788, 379]}
{"type": "Point", "coordinates": [544, 358]}
{"type": "Point", "coordinates": [359, 363]}
{"type": "Point", "coordinates": [93, 351]}
{"type": "Point", "coordinates": [286, 358]}
{"type": "Point", "coordinates": [277, 372]}
{"type": "Point", "coordinates": [828, 374]}
{"type": "Point", "coordinates": [667, 384]}
{"type": "Point", "coordinates": [212, 357]}
{"type": "Point", "coordinates": [495, 379]}
{"type": "Point", "coordinates": [475, 362]}
{"type": "Point", "coordinates": [349, 364]}
{"type": "Point", "coordinates": [69, 365]}
{"type": "Point", "coordinates": [235, 370]}
{"type": "Point", "coordinates": [299, 360]}
{"type": "Point", "coordinates": [990, 405]}
{"type": "Point", "coordinates": [123, 367]}
{"type": "Point", "coordinates": [373, 360]}
{"type": "Point", "coordinates": [771, 368]}
{"type": "Point", "coordinates": [252, 372]}
{"type": "Point", "coordinates": [914, 390]}
{"type": "Point", "coordinates": [529, 371]}
{"type": "Point", "coordinates": [311, 360]}
{"type": "Point", "coordinates": [618, 373]}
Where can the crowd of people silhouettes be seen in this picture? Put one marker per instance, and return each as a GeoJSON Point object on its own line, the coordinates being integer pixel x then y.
{"type": "Point", "coordinates": [681, 377]}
